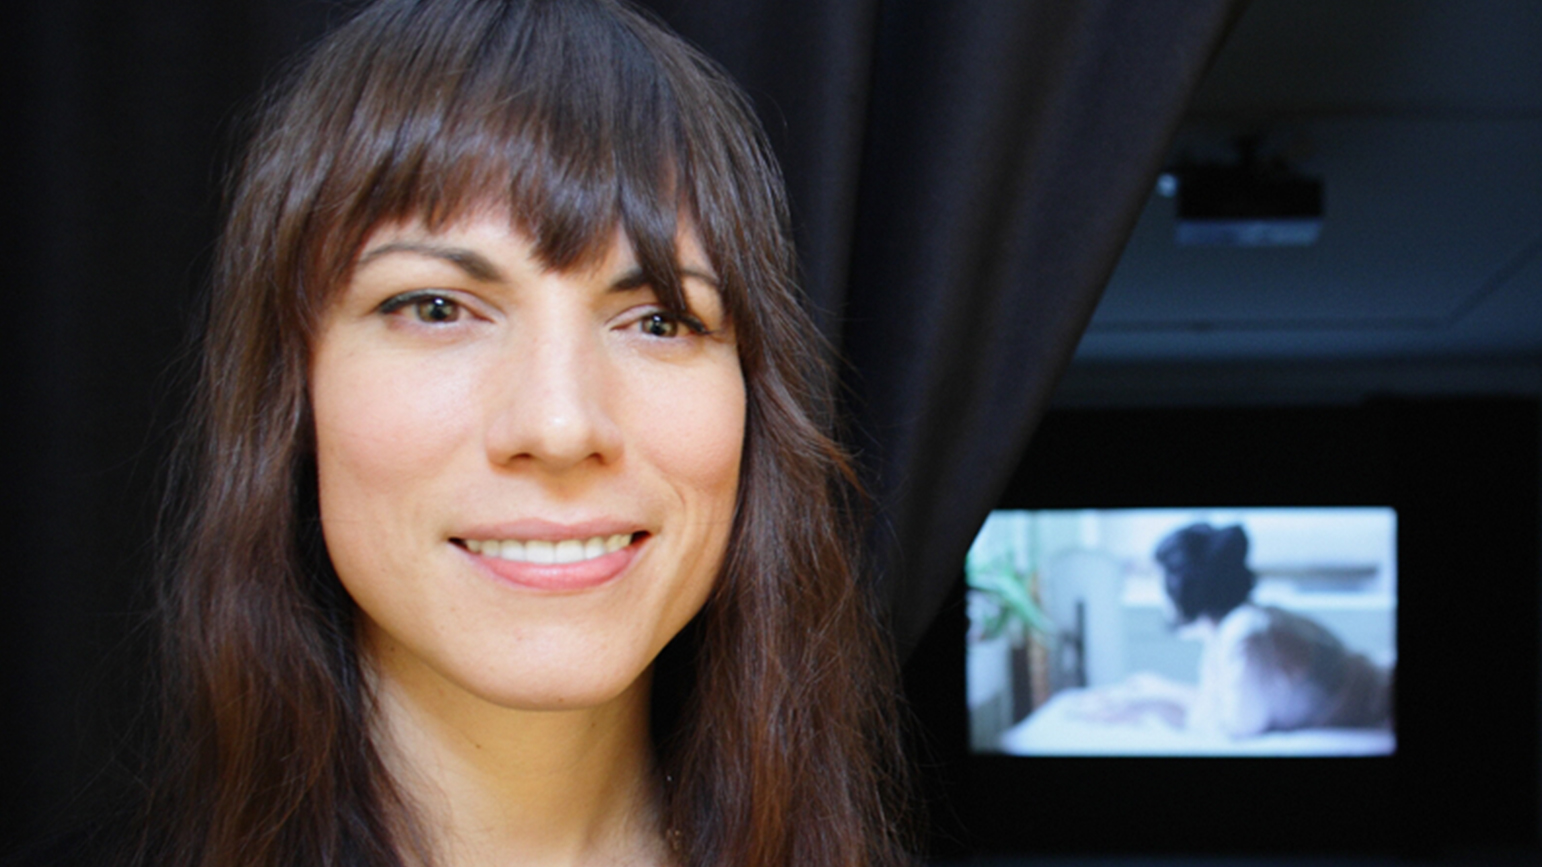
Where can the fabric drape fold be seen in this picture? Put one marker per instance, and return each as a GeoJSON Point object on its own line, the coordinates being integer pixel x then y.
{"type": "Point", "coordinates": [963, 175]}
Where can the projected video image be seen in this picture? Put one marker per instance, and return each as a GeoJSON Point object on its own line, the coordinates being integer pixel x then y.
{"type": "Point", "coordinates": [1184, 632]}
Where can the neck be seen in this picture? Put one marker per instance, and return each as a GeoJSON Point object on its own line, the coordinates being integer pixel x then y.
{"type": "Point", "coordinates": [496, 785]}
{"type": "Point", "coordinates": [1201, 628]}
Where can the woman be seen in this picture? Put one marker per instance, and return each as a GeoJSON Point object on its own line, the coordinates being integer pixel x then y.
{"type": "Point", "coordinates": [1261, 668]}
{"type": "Point", "coordinates": [516, 533]}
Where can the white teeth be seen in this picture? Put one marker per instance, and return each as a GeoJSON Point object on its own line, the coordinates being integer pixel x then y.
{"type": "Point", "coordinates": [545, 552]}
{"type": "Point", "coordinates": [568, 551]}
{"type": "Point", "coordinates": [539, 551]}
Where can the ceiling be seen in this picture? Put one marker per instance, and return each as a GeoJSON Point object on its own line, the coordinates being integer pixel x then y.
{"type": "Point", "coordinates": [1424, 120]}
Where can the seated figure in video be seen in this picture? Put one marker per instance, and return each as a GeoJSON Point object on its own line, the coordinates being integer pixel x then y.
{"type": "Point", "coordinates": [1261, 668]}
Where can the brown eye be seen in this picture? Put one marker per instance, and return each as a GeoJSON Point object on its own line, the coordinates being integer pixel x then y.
{"type": "Point", "coordinates": [436, 309]}
{"type": "Point", "coordinates": [660, 325]}
{"type": "Point", "coordinates": [427, 306]}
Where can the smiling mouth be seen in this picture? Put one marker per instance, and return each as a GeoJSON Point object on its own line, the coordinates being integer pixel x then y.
{"type": "Point", "coordinates": [542, 551]}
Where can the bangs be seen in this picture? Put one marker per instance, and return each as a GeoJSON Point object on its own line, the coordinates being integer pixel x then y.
{"type": "Point", "coordinates": [556, 111]}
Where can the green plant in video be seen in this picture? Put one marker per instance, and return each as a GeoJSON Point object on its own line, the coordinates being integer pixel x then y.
{"type": "Point", "coordinates": [1016, 612]}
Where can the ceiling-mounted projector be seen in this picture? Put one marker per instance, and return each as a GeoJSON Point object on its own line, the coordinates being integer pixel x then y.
{"type": "Point", "coordinates": [1251, 203]}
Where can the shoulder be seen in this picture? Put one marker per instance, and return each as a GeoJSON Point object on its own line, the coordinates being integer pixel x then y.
{"type": "Point", "coordinates": [1277, 640]}
{"type": "Point", "coordinates": [1303, 633]}
{"type": "Point", "coordinates": [1243, 622]}
{"type": "Point", "coordinates": [1250, 621]}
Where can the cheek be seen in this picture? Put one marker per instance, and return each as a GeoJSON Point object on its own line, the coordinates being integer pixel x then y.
{"type": "Point", "coordinates": [384, 433]}
{"type": "Point", "coordinates": [696, 439]}
{"type": "Point", "coordinates": [693, 440]}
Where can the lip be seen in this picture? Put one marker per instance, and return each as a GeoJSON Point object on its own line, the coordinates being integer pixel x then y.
{"type": "Point", "coordinates": [555, 577]}
{"type": "Point", "coordinates": [550, 531]}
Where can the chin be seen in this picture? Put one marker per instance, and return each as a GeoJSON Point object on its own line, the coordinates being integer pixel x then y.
{"type": "Point", "coordinates": [557, 681]}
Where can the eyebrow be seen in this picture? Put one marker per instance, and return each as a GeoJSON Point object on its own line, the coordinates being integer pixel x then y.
{"type": "Point", "coordinates": [474, 264]}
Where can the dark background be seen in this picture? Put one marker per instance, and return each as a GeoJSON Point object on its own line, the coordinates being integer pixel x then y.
{"type": "Point", "coordinates": [1462, 475]}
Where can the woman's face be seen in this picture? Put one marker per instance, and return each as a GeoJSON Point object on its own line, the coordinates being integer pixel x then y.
{"type": "Point", "coordinates": [527, 478]}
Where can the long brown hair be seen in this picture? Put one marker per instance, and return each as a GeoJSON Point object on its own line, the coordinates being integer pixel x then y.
{"type": "Point", "coordinates": [774, 711]}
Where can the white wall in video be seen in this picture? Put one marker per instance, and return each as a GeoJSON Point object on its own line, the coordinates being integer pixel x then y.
{"type": "Point", "coordinates": [1246, 631]}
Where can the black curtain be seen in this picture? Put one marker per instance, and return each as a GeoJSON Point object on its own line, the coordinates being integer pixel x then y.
{"type": "Point", "coordinates": [963, 175]}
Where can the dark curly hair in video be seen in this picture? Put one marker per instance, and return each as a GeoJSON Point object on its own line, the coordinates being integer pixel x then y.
{"type": "Point", "coordinates": [1207, 572]}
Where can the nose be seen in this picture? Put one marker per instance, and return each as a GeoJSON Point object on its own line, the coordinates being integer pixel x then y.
{"type": "Point", "coordinates": [553, 403]}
